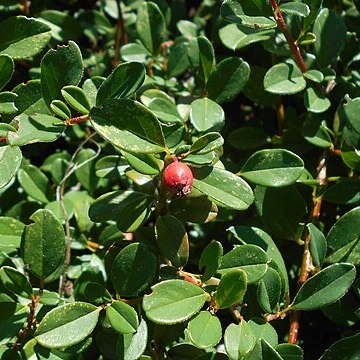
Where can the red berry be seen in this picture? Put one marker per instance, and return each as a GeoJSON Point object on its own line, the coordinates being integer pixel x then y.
{"type": "Point", "coordinates": [178, 178]}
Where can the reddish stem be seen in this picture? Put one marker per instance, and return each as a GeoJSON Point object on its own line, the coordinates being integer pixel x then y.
{"type": "Point", "coordinates": [78, 119]}
{"type": "Point", "coordinates": [3, 139]}
{"type": "Point", "coordinates": [293, 47]}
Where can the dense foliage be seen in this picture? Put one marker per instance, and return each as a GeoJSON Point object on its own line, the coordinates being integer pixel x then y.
{"type": "Point", "coordinates": [105, 256]}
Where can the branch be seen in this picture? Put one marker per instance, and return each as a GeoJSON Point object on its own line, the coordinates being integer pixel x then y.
{"type": "Point", "coordinates": [78, 119]}
{"type": "Point", "coordinates": [306, 264]}
{"type": "Point", "coordinates": [120, 36]}
{"type": "Point", "coordinates": [293, 47]}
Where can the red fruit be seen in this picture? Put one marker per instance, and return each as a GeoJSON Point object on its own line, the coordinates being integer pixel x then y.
{"type": "Point", "coordinates": [178, 178]}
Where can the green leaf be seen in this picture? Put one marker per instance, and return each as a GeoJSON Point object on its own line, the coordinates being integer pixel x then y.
{"type": "Point", "coordinates": [295, 8]}
{"type": "Point", "coordinates": [290, 352]}
{"type": "Point", "coordinates": [96, 293]}
{"type": "Point", "coordinates": [133, 270]}
{"type": "Point", "coordinates": [223, 187]}
{"type": "Point", "coordinates": [111, 166]}
{"type": "Point", "coordinates": [248, 13]}
{"type": "Point", "coordinates": [269, 290]}
{"type": "Point", "coordinates": [273, 167]}
{"type": "Point", "coordinates": [346, 191]}
{"type": "Point", "coordinates": [247, 138]}
{"type": "Point", "coordinates": [204, 330]}
{"type": "Point", "coordinates": [7, 102]}
{"type": "Point", "coordinates": [67, 325]}
{"type": "Point", "coordinates": [314, 75]}
{"type": "Point", "coordinates": [6, 69]}
{"type": "Point", "coordinates": [178, 61]}
{"type": "Point", "coordinates": [150, 26]}
{"type": "Point", "coordinates": [202, 58]}
{"type": "Point", "coordinates": [172, 240]}
{"type": "Point", "coordinates": [10, 159]}
{"type": "Point", "coordinates": [173, 301]}
{"type": "Point", "coordinates": [263, 350]}
{"type": "Point", "coordinates": [124, 81]}
{"type": "Point", "coordinates": [130, 209]}
{"type": "Point", "coordinates": [281, 210]}
{"type": "Point", "coordinates": [60, 109]}
{"type": "Point", "coordinates": [314, 6]}
{"type": "Point", "coordinates": [239, 340]}
{"type": "Point", "coordinates": [207, 143]}
{"type": "Point", "coordinates": [256, 236]}
{"type": "Point", "coordinates": [86, 173]}
{"type": "Point", "coordinates": [250, 258]}
{"type": "Point", "coordinates": [231, 289]}
{"type": "Point", "coordinates": [330, 31]}
{"type": "Point", "coordinates": [32, 129]}
{"type": "Point", "coordinates": [325, 287]}
{"type": "Point", "coordinates": [343, 239]}
{"type": "Point", "coordinates": [236, 36]}
{"type": "Point", "coordinates": [23, 37]}
{"type": "Point", "coordinates": [284, 79]}
{"type": "Point", "coordinates": [131, 346]}
{"type": "Point", "coordinates": [348, 348]}
{"type": "Point", "coordinates": [349, 111]}
{"type": "Point", "coordinates": [129, 126]}
{"type": "Point", "coordinates": [35, 183]}
{"type": "Point", "coordinates": [210, 259]}
{"type": "Point", "coordinates": [317, 244]}
{"type": "Point", "coordinates": [315, 132]}
{"type": "Point", "coordinates": [165, 110]}
{"type": "Point", "coordinates": [43, 244]}
{"type": "Point", "coordinates": [16, 282]}
{"type": "Point", "coordinates": [122, 317]}
{"type": "Point", "coordinates": [315, 101]}
{"type": "Point", "coordinates": [10, 233]}
{"type": "Point", "coordinates": [228, 79]}
{"type": "Point", "coordinates": [206, 115]}
{"type": "Point", "coordinates": [146, 164]}
{"type": "Point", "coordinates": [263, 330]}
{"type": "Point", "coordinates": [76, 98]}
{"type": "Point", "coordinates": [59, 68]}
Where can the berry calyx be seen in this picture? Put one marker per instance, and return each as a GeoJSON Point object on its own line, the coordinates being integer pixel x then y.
{"type": "Point", "coordinates": [178, 178]}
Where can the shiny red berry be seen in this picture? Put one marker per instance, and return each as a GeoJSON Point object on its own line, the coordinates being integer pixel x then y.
{"type": "Point", "coordinates": [178, 178]}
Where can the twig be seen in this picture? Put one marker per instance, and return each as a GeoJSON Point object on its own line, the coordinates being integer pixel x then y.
{"type": "Point", "coordinates": [77, 119]}
{"type": "Point", "coordinates": [25, 7]}
{"type": "Point", "coordinates": [72, 167]}
{"type": "Point", "coordinates": [120, 36]}
{"type": "Point", "coordinates": [306, 264]}
{"type": "Point", "coordinates": [293, 47]}
{"type": "Point", "coordinates": [31, 321]}
{"type": "Point", "coordinates": [280, 113]}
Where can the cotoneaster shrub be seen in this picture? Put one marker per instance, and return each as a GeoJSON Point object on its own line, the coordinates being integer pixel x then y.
{"type": "Point", "coordinates": [179, 179]}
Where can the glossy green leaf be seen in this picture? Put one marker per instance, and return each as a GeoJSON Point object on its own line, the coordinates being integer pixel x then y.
{"type": "Point", "coordinates": [178, 61]}
{"type": "Point", "coordinates": [10, 158]}
{"type": "Point", "coordinates": [207, 115]}
{"type": "Point", "coordinates": [6, 69]}
{"type": "Point", "coordinates": [16, 282]}
{"type": "Point", "coordinates": [284, 79]}
{"type": "Point", "coordinates": [130, 209]}
{"type": "Point", "coordinates": [237, 36]}
{"type": "Point", "coordinates": [256, 236]}
{"type": "Point", "coordinates": [10, 233]}
{"type": "Point", "coordinates": [204, 330]}
{"type": "Point", "coordinates": [281, 209]}
{"type": "Point", "coordinates": [67, 325]}
{"type": "Point", "coordinates": [330, 31]}
{"type": "Point", "coordinates": [317, 244]}
{"type": "Point", "coordinates": [86, 173]}
{"type": "Point", "coordinates": [239, 340]}
{"type": "Point", "coordinates": [125, 80]}
{"type": "Point", "coordinates": [349, 111]}
{"type": "Point", "coordinates": [247, 138]}
{"type": "Point", "coordinates": [231, 288]}
{"type": "Point", "coordinates": [348, 347]}
{"type": "Point", "coordinates": [263, 350]}
{"type": "Point", "coordinates": [295, 8]}
{"type": "Point", "coordinates": [76, 98]}
{"type": "Point", "coordinates": [206, 143]}
{"type": "Point", "coordinates": [173, 301]}
{"type": "Point", "coordinates": [346, 191]}
{"type": "Point", "coordinates": [250, 258]}
{"type": "Point", "coordinates": [326, 287]}
{"type": "Point", "coordinates": [165, 110]}
{"type": "Point", "coordinates": [133, 270]}
{"type": "Point", "coordinates": [111, 166]}
{"type": "Point", "coordinates": [269, 290]}
{"type": "Point", "coordinates": [128, 125]}
{"type": "Point", "coordinates": [122, 317]}
{"type": "Point", "coordinates": [27, 37]}
{"type": "Point", "coordinates": [172, 240]}
{"type": "Point", "coordinates": [315, 101]}
{"type": "Point", "coordinates": [59, 68]}
{"type": "Point", "coordinates": [7, 103]}
{"type": "Point", "coordinates": [273, 167]}
{"type": "Point", "coordinates": [228, 79]}
{"type": "Point", "coordinates": [290, 351]}
{"type": "Point", "coordinates": [35, 183]}
{"type": "Point", "coordinates": [43, 244]}
{"type": "Point", "coordinates": [315, 133]}
{"type": "Point", "coordinates": [146, 164]}
{"type": "Point", "coordinates": [263, 330]}
{"type": "Point", "coordinates": [223, 187]}
{"type": "Point", "coordinates": [314, 75]}
{"type": "Point", "coordinates": [150, 26]}
{"type": "Point", "coordinates": [96, 293]}
{"type": "Point", "coordinates": [343, 239]}
{"type": "Point", "coordinates": [210, 259]}
{"type": "Point", "coordinates": [60, 109]}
